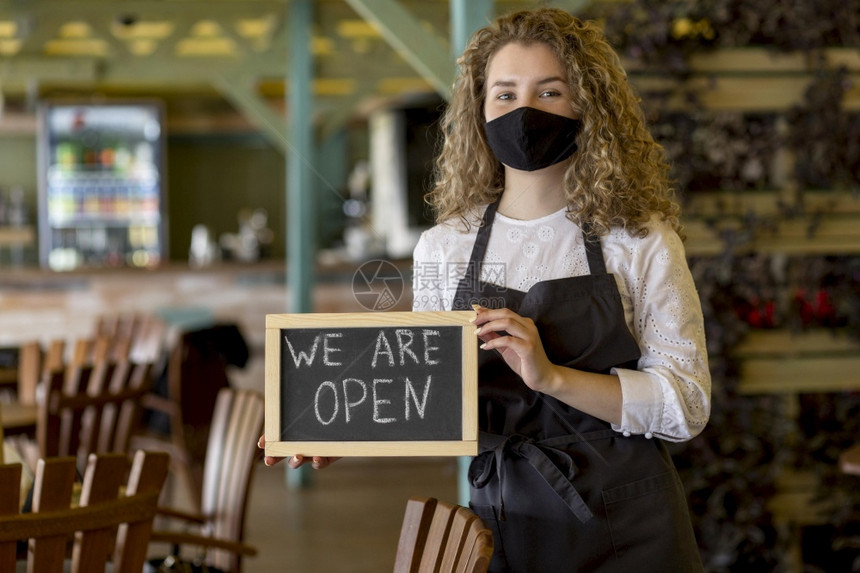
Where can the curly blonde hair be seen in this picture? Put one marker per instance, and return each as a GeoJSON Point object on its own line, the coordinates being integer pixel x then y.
{"type": "Point", "coordinates": [617, 178]}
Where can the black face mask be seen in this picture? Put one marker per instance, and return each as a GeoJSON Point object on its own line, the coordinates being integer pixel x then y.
{"type": "Point", "coordinates": [529, 139]}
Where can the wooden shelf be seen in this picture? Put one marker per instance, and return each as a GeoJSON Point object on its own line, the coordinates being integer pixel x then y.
{"type": "Point", "coordinates": [758, 60]}
{"type": "Point", "coordinates": [798, 500]}
{"type": "Point", "coordinates": [782, 362]}
{"type": "Point", "coordinates": [17, 236]}
{"type": "Point", "coordinates": [749, 79]}
{"type": "Point", "coordinates": [825, 223]}
{"type": "Point", "coordinates": [770, 202]}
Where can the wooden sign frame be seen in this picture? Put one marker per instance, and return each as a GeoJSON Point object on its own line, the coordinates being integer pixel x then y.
{"type": "Point", "coordinates": [466, 446]}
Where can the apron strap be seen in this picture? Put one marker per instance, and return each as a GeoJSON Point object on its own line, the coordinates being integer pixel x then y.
{"type": "Point", "coordinates": [482, 239]}
{"type": "Point", "coordinates": [593, 251]}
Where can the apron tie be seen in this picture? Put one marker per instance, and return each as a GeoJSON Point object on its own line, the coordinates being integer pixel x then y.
{"type": "Point", "coordinates": [555, 466]}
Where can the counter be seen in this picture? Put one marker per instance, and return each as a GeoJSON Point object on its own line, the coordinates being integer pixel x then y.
{"type": "Point", "coordinates": [44, 305]}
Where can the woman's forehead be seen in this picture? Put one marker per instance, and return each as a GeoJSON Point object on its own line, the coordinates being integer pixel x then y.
{"type": "Point", "coordinates": [514, 60]}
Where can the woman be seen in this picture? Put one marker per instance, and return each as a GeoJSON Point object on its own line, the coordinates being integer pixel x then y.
{"type": "Point", "coordinates": [555, 222]}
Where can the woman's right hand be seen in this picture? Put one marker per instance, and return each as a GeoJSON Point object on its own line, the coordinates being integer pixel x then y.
{"type": "Point", "coordinates": [296, 461]}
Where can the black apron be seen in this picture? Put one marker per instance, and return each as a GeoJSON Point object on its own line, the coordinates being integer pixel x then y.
{"type": "Point", "coordinates": [560, 489]}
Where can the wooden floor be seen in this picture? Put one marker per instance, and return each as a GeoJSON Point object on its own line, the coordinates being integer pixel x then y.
{"type": "Point", "coordinates": [348, 518]}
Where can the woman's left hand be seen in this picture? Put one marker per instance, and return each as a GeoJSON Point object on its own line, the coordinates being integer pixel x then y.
{"type": "Point", "coordinates": [517, 340]}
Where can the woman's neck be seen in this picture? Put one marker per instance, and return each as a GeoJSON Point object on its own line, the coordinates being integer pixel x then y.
{"type": "Point", "coordinates": [532, 195]}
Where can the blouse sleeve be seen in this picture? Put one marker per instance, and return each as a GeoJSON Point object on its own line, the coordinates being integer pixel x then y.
{"type": "Point", "coordinates": [669, 395]}
{"type": "Point", "coordinates": [428, 280]}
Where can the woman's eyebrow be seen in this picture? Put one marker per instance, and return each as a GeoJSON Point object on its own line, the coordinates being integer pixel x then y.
{"type": "Point", "coordinates": [551, 80]}
{"type": "Point", "coordinates": [512, 83]}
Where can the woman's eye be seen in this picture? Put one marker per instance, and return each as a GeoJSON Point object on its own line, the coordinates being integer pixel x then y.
{"type": "Point", "coordinates": [505, 96]}
{"type": "Point", "coordinates": [550, 93]}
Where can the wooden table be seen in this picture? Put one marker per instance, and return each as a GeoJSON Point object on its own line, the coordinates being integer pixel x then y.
{"type": "Point", "coordinates": [18, 418]}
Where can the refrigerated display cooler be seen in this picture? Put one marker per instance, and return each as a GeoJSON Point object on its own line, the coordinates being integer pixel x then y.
{"type": "Point", "coordinates": [101, 185]}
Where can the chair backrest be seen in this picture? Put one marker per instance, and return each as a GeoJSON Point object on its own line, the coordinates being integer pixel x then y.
{"type": "Point", "coordinates": [92, 403]}
{"type": "Point", "coordinates": [33, 365]}
{"type": "Point", "coordinates": [437, 536]}
{"type": "Point", "coordinates": [108, 524]}
{"type": "Point", "coordinates": [145, 334]}
{"type": "Point", "coordinates": [237, 421]}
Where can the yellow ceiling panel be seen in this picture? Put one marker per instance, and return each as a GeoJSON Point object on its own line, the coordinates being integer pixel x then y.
{"type": "Point", "coordinates": [142, 47]}
{"type": "Point", "coordinates": [206, 47]}
{"type": "Point", "coordinates": [9, 47]}
{"type": "Point", "coordinates": [356, 29]}
{"type": "Point", "coordinates": [396, 86]}
{"type": "Point", "coordinates": [144, 29]}
{"type": "Point", "coordinates": [322, 46]}
{"type": "Point", "coordinates": [76, 47]}
{"type": "Point", "coordinates": [76, 29]}
{"type": "Point", "coordinates": [256, 28]}
{"type": "Point", "coordinates": [206, 29]}
{"type": "Point", "coordinates": [334, 86]}
{"type": "Point", "coordinates": [8, 29]}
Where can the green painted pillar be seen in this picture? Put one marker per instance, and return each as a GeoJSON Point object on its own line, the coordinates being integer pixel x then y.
{"type": "Point", "coordinates": [330, 185]}
{"type": "Point", "coordinates": [466, 17]}
{"type": "Point", "coordinates": [301, 217]}
{"type": "Point", "coordinates": [301, 212]}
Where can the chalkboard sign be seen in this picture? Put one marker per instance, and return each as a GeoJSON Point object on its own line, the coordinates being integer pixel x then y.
{"type": "Point", "coordinates": [371, 384]}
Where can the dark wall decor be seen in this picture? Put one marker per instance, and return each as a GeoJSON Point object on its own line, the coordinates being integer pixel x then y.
{"type": "Point", "coordinates": [735, 472]}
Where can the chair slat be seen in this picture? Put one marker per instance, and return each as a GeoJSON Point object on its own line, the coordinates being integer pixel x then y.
{"type": "Point", "coordinates": [478, 548]}
{"type": "Point", "coordinates": [101, 483]}
{"type": "Point", "coordinates": [460, 524]}
{"type": "Point", "coordinates": [147, 477]}
{"type": "Point", "coordinates": [29, 372]}
{"type": "Point", "coordinates": [437, 537]}
{"type": "Point", "coordinates": [10, 500]}
{"type": "Point", "coordinates": [413, 534]}
{"type": "Point", "coordinates": [52, 490]}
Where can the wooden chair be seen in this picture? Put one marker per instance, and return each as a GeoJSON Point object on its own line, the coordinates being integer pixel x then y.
{"type": "Point", "coordinates": [91, 407]}
{"type": "Point", "coordinates": [195, 372]}
{"type": "Point", "coordinates": [440, 537]}
{"type": "Point", "coordinates": [237, 422]}
{"type": "Point", "coordinates": [108, 525]}
{"type": "Point", "coordinates": [87, 404]}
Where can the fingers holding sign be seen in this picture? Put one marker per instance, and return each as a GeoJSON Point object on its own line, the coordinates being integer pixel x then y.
{"type": "Point", "coordinates": [517, 341]}
{"type": "Point", "coordinates": [298, 460]}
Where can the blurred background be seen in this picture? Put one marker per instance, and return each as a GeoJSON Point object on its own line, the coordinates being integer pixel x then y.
{"type": "Point", "coordinates": [211, 162]}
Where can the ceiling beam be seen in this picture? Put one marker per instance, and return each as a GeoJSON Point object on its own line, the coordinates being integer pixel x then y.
{"type": "Point", "coordinates": [344, 110]}
{"type": "Point", "coordinates": [423, 50]}
{"type": "Point", "coordinates": [21, 71]}
{"type": "Point", "coordinates": [166, 47]}
{"type": "Point", "coordinates": [240, 92]}
{"type": "Point", "coordinates": [143, 9]}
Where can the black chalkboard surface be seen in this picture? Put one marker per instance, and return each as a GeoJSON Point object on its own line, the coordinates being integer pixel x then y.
{"type": "Point", "coordinates": [397, 383]}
